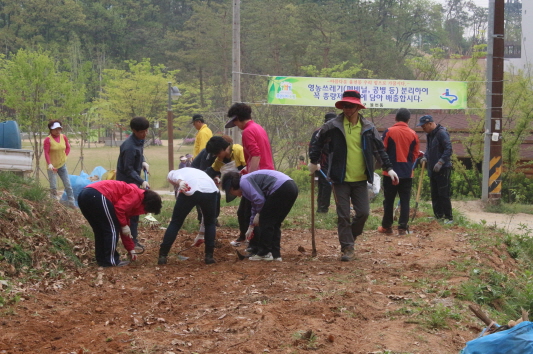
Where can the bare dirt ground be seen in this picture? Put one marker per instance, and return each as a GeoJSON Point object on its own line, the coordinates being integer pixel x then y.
{"type": "Point", "coordinates": [301, 304]}
{"type": "Point", "coordinates": [518, 223]}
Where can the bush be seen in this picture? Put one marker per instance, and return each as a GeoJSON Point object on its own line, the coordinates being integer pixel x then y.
{"type": "Point", "coordinates": [301, 177]}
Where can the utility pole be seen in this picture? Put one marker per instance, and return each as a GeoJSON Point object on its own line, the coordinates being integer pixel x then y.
{"type": "Point", "coordinates": [236, 65]}
{"type": "Point", "coordinates": [492, 154]}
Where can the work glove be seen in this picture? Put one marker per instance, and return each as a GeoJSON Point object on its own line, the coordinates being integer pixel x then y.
{"type": "Point", "coordinates": [243, 171]}
{"type": "Point", "coordinates": [126, 231]}
{"type": "Point", "coordinates": [423, 160]}
{"type": "Point", "coordinates": [256, 220]}
{"type": "Point", "coordinates": [249, 233]}
{"type": "Point", "coordinates": [313, 168]}
{"type": "Point", "coordinates": [146, 167]}
{"type": "Point", "coordinates": [394, 177]}
{"type": "Point", "coordinates": [132, 255]}
{"type": "Point", "coordinates": [51, 167]}
{"type": "Point", "coordinates": [183, 187]}
{"type": "Point", "coordinates": [217, 181]}
{"type": "Point", "coordinates": [145, 185]}
{"type": "Point", "coordinates": [437, 167]}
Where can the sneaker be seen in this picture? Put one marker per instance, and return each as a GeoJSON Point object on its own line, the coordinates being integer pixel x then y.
{"type": "Point", "coordinates": [402, 232]}
{"type": "Point", "coordinates": [266, 257]}
{"type": "Point", "coordinates": [162, 260]}
{"type": "Point", "coordinates": [277, 259]}
{"type": "Point", "coordinates": [385, 230]}
{"type": "Point", "coordinates": [138, 246]}
{"type": "Point", "coordinates": [448, 222]}
{"type": "Point", "coordinates": [348, 254]}
{"type": "Point", "coordinates": [123, 263]}
{"type": "Point", "coordinates": [237, 242]}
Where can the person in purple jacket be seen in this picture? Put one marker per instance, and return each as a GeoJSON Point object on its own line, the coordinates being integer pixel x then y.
{"type": "Point", "coordinates": [272, 195]}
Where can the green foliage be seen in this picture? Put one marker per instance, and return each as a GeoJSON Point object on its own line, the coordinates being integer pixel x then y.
{"type": "Point", "coordinates": [142, 90]}
{"type": "Point", "coordinates": [301, 178]}
{"type": "Point", "coordinates": [15, 254]}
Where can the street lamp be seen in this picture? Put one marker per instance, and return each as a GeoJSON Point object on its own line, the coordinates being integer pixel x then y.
{"type": "Point", "coordinates": [173, 94]}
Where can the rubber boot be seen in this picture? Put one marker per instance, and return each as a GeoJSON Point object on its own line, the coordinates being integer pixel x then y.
{"type": "Point", "coordinates": [163, 254]}
{"type": "Point", "coordinates": [209, 255]}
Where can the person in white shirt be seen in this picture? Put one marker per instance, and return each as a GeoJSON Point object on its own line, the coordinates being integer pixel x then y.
{"type": "Point", "coordinates": [194, 188]}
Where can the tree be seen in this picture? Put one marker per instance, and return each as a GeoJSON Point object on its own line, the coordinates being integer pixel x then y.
{"type": "Point", "coordinates": [38, 92]}
{"type": "Point", "coordinates": [142, 90]}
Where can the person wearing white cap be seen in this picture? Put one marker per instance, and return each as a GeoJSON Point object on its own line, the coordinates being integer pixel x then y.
{"type": "Point", "coordinates": [56, 149]}
{"type": "Point", "coordinates": [354, 145]}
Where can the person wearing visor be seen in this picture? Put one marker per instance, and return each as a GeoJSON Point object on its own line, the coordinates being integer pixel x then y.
{"type": "Point", "coordinates": [272, 195]}
{"type": "Point", "coordinates": [56, 149]}
{"type": "Point", "coordinates": [130, 164]}
{"type": "Point", "coordinates": [354, 144]}
{"type": "Point", "coordinates": [257, 154]}
{"type": "Point", "coordinates": [438, 161]}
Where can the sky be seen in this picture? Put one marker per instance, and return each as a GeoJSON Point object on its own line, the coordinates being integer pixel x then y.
{"type": "Point", "coordinates": [484, 3]}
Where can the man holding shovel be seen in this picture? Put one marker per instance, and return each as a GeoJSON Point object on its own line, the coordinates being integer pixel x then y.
{"type": "Point", "coordinates": [354, 143]}
{"type": "Point", "coordinates": [403, 147]}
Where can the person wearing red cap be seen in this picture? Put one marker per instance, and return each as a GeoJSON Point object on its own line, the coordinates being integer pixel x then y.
{"type": "Point", "coordinates": [354, 144]}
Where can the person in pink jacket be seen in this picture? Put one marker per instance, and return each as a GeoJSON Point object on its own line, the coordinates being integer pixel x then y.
{"type": "Point", "coordinates": [108, 206]}
{"type": "Point", "coordinates": [56, 148]}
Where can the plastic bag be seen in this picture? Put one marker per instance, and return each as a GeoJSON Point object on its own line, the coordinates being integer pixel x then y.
{"type": "Point", "coordinates": [229, 167]}
{"type": "Point", "coordinates": [374, 188]}
{"type": "Point", "coordinates": [77, 183]}
{"type": "Point", "coordinates": [516, 340]}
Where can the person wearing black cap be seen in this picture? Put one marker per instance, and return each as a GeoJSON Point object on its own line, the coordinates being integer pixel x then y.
{"type": "Point", "coordinates": [354, 144]}
{"type": "Point", "coordinates": [323, 199]}
{"type": "Point", "coordinates": [257, 153]}
{"type": "Point", "coordinates": [438, 155]}
{"type": "Point", "coordinates": [403, 147]}
{"type": "Point", "coordinates": [272, 195]}
{"type": "Point", "coordinates": [203, 135]}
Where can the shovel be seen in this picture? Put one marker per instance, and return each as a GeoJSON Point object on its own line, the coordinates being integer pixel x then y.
{"type": "Point", "coordinates": [420, 180]}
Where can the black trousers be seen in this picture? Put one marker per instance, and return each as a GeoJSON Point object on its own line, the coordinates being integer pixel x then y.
{"type": "Point", "coordinates": [390, 191]}
{"type": "Point", "coordinates": [440, 183]}
{"type": "Point", "coordinates": [244, 213]}
{"type": "Point", "coordinates": [100, 213]}
{"type": "Point", "coordinates": [275, 210]}
{"type": "Point", "coordinates": [184, 204]}
{"type": "Point", "coordinates": [324, 193]}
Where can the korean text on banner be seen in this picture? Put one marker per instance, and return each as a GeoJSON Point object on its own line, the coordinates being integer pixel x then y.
{"type": "Point", "coordinates": [324, 92]}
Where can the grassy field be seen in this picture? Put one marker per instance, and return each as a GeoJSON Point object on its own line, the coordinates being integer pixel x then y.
{"type": "Point", "coordinates": [106, 156]}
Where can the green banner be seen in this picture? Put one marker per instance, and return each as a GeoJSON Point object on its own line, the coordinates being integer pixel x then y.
{"type": "Point", "coordinates": [324, 92]}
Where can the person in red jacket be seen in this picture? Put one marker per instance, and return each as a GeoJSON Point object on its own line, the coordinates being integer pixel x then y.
{"type": "Point", "coordinates": [402, 145]}
{"type": "Point", "coordinates": [108, 206]}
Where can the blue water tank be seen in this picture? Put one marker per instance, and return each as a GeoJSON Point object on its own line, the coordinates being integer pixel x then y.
{"type": "Point", "coordinates": [10, 135]}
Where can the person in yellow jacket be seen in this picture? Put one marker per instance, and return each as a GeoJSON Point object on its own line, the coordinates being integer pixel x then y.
{"type": "Point", "coordinates": [56, 149]}
{"type": "Point", "coordinates": [203, 135]}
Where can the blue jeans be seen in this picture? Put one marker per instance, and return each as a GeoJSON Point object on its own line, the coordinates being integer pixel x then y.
{"type": "Point", "coordinates": [63, 174]}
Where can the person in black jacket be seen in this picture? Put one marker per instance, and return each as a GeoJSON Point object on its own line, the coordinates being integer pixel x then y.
{"type": "Point", "coordinates": [438, 156]}
{"type": "Point", "coordinates": [354, 143]}
{"type": "Point", "coordinates": [130, 163]}
{"type": "Point", "coordinates": [323, 199]}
